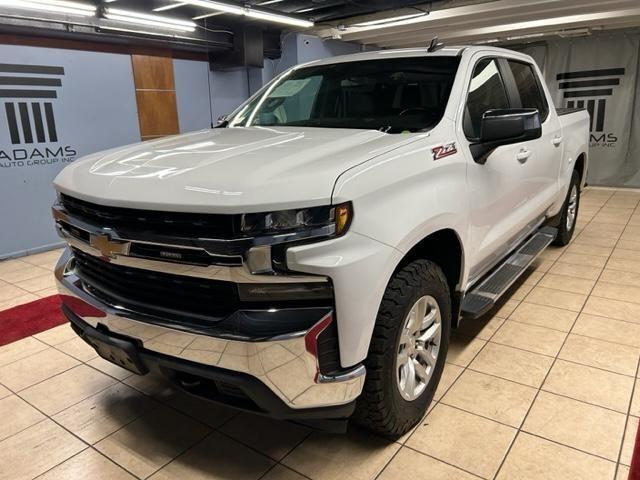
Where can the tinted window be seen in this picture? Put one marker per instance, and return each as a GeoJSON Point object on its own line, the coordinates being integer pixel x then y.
{"type": "Point", "coordinates": [486, 92]}
{"type": "Point", "coordinates": [392, 95]}
{"type": "Point", "coordinates": [530, 94]}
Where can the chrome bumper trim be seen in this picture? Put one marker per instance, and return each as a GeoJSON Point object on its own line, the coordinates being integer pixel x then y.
{"type": "Point", "coordinates": [287, 364]}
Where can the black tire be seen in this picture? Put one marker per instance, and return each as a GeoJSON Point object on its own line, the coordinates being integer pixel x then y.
{"type": "Point", "coordinates": [381, 407]}
{"type": "Point", "coordinates": [565, 233]}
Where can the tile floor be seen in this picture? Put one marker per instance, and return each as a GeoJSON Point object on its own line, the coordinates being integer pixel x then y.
{"type": "Point", "coordinates": [543, 387]}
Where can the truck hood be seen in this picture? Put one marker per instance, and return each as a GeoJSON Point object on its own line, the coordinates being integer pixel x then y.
{"type": "Point", "coordinates": [226, 170]}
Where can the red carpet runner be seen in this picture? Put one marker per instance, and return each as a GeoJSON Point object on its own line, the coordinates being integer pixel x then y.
{"type": "Point", "coordinates": [30, 318]}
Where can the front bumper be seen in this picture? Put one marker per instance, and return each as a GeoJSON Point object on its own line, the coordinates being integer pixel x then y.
{"type": "Point", "coordinates": [278, 375]}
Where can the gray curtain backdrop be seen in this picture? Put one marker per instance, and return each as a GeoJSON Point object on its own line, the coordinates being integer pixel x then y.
{"type": "Point", "coordinates": [599, 73]}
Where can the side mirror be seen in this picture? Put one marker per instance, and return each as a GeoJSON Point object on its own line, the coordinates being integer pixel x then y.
{"type": "Point", "coordinates": [505, 127]}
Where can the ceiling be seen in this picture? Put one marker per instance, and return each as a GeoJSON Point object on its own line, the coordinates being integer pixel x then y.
{"type": "Point", "coordinates": [504, 21]}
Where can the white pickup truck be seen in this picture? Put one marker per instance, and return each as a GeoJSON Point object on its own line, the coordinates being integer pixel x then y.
{"type": "Point", "coordinates": [308, 257]}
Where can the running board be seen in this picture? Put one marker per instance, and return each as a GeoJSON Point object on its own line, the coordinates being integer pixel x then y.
{"type": "Point", "coordinates": [483, 296]}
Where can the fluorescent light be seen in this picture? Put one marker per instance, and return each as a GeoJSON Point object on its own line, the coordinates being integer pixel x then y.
{"type": "Point", "coordinates": [269, 2]}
{"type": "Point", "coordinates": [169, 7]}
{"type": "Point", "coordinates": [149, 19]}
{"type": "Point", "coordinates": [56, 6]}
{"type": "Point", "coordinates": [384, 21]}
{"type": "Point", "coordinates": [274, 17]}
{"type": "Point", "coordinates": [207, 15]}
{"type": "Point", "coordinates": [250, 12]}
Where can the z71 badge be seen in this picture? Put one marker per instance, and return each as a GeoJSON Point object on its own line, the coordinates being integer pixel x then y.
{"type": "Point", "coordinates": [445, 150]}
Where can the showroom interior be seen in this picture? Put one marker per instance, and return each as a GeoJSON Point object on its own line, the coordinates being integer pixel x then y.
{"type": "Point", "coordinates": [542, 384]}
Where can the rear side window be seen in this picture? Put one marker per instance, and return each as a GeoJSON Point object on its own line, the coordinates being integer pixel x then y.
{"type": "Point", "coordinates": [486, 92]}
{"type": "Point", "coordinates": [531, 95]}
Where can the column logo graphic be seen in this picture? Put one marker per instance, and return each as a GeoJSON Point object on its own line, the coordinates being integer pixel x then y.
{"type": "Point", "coordinates": [28, 93]}
{"type": "Point", "coordinates": [591, 89]}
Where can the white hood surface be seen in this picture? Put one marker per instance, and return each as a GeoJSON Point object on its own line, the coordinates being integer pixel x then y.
{"type": "Point", "coordinates": [226, 170]}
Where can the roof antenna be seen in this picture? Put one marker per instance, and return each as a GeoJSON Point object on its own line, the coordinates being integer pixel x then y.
{"type": "Point", "coordinates": [435, 45]}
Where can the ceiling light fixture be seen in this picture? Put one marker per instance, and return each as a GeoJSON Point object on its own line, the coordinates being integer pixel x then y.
{"type": "Point", "coordinates": [54, 6]}
{"type": "Point", "coordinates": [207, 15]}
{"type": "Point", "coordinates": [150, 20]}
{"type": "Point", "coordinates": [169, 7]}
{"type": "Point", "coordinates": [384, 21]}
{"type": "Point", "coordinates": [251, 13]}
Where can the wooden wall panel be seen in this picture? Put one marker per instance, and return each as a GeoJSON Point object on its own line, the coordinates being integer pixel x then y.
{"type": "Point", "coordinates": [155, 95]}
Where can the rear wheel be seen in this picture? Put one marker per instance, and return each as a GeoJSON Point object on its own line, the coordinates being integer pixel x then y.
{"type": "Point", "coordinates": [569, 212]}
{"type": "Point", "coordinates": [407, 351]}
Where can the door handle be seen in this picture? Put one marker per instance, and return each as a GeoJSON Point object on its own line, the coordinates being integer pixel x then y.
{"type": "Point", "coordinates": [523, 155]}
{"type": "Point", "coordinates": [556, 141]}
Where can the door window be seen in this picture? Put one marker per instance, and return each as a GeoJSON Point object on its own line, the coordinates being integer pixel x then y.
{"type": "Point", "coordinates": [531, 95]}
{"type": "Point", "coordinates": [486, 92]}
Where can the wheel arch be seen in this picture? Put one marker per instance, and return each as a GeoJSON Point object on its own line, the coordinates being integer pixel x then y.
{"type": "Point", "coordinates": [581, 167]}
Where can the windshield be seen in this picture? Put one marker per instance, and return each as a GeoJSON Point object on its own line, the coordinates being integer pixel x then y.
{"type": "Point", "coordinates": [392, 95]}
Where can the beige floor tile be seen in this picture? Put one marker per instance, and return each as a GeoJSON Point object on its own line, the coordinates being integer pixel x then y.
{"type": "Point", "coordinates": [462, 349]}
{"type": "Point", "coordinates": [151, 384]}
{"type": "Point", "coordinates": [591, 385]}
{"type": "Point", "coordinates": [624, 254]}
{"type": "Point", "coordinates": [576, 424]}
{"type": "Point", "coordinates": [597, 261]}
{"type": "Point", "coordinates": [56, 335]}
{"type": "Point", "coordinates": [47, 292]}
{"type": "Point", "coordinates": [556, 298]}
{"type": "Point", "coordinates": [512, 364]}
{"type": "Point", "coordinates": [150, 442]}
{"type": "Point", "coordinates": [109, 368]}
{"type": "Point", "coordinates": [492, 397]}
{"type": "Point", "coordinates": [624, 265]}
{"type": "Point", "coordinates": [504, 308]}
{"type": "Point", "coordinates": [17, 301]}
{"type": "Point", "coordinates": [35, 450]}
{"type": "Point", "coordinates": [586, 244]}
{"type": "Point", "coordinates": [532, 338]}
{"type": "Point", "coordinates": [63, 390]}
{"type": "Point", "coordinates": [356, 455]}
{"type": "Point", "coordinates": [421, 467]}
{"type": "Point", "coordinates": [77, 348]}
{"type": "Point", "coordinates": [35, 284]}
{"type": "Point", "coordinates": [623, 472]}
{"type": "Point", "coordinates": [482, 328]}
{"type": "Point", "coordinates": [209, 413]}
{"type": "Point", "coordinates": [280, 472]}
{"type": "Point", "coordinates": [16, 416]}
{"type": "Point", "coordinates": [635, 403]}
{"type": "Point", "coordinates": [519, 292]}
{"type": "Point", "coordinates": [598, 353]}
{"type": "Point", "coordinates": [544, 316]}
{"type": "Point", "coordinates": [467, 441]}
{"type": "Point", "coordinates": [628, 443]}
{"type": "Point", "coordinates": [30, 271]}
{"type": "Point", "coordinates": [4, 392]}
{"type": "Point", "coordinates": [272, 438]}
{"type": "Point", "coordinates": [45, 259]}
{"type": "Point", "coordinates": [217, 457]}
{"type": "Point", "coordinates": [449, 375]}
{"type": "Point", "coordinates": [617, 309]}
{"type": "Point", "coordinates": [8, 292]}
{"type": "Point", "coordinates": [35, 368]}
{"type": "Point", "coordinates": [541, 265]}
{"type": "Point", "coordinates": [608, 329]}
{"type": "Point", "coordinates": [102, 414]}
{"type": "Point", "coordinates": [625, 293]}
{"type": "Point", "coordinates": [531, 277]}
{"type": "Point", "coordinates": [21, 349]}
{"type": "Point", "coordinates": [579, 271]}
{"type": "Point", "coordinates": [567, 284]}
{"type": "Point", "coordinates": [629, 245]}
{"type": "Point", "coordinates": [7, 266]}
{"type": "Point", "coordinates": [621, 278]}
{"type": "Point", "coordinates": [534, 458]}
{"type": "Point", "coordinates": [89, 465]}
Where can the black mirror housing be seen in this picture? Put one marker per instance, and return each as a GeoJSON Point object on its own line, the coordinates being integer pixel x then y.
{"type": "Point", "coordinates": [505, 127]}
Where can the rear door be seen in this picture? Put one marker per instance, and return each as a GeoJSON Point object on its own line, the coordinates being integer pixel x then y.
{"type": "Point", "coordinates": [543, 166]}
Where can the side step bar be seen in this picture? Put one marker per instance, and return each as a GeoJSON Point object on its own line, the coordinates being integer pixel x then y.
{"type": "Point", "coordinates": [483, 296]}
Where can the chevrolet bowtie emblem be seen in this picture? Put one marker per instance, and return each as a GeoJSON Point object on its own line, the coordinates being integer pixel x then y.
{"type": "Point", "coordinates": [107, 247]}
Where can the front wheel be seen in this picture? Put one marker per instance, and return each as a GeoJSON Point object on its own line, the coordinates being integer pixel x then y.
{"type": "Point", "coordinates": [408, 350]}
{"type": "Point", "coordinates": [569, 214]}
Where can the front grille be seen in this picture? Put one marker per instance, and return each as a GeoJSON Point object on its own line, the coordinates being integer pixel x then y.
{"type": "Point", "coordinates": [155, 292]}
{"type": "Point", "coordinates": [178, 224]}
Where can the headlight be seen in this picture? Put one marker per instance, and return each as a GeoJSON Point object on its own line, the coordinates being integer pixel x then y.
{"type": "Point", "coordinates": [331, 220]}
